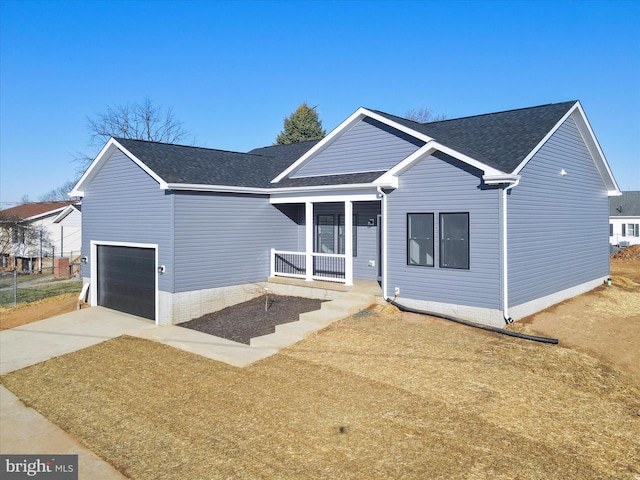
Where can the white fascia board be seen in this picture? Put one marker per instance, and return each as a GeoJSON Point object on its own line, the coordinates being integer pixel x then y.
{"type": "Point", "coordinates": [322, 189]}
{"type": "Point", "coordinates": [326, 196]}
{"type": "Point", "coordinates": [398, 126]}
{"type": "Point", "coordinates": [55, 211]}
{"type": "Point", "coordinates": [111, 146]}
{"type": "Point", "coordinates": [544, 140]}
{"type": "Point", "coordinates": [64, 213]}
{"type": "Point", "coordinates": [345, 126]}
{"type": "Point", "coordinates": [500, 179]}
{"type": "Point", "coordinates": [584, 127]}
{"type": "Point", "coordinates": [195, 187]}
{"type": "Point", "coordinates": [426, 150]}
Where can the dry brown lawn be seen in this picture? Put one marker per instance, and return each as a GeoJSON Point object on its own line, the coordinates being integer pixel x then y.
{"type": "Point", "coordinates": [383, 396]}
{"type": "Point", "coordinates": [387, 395]}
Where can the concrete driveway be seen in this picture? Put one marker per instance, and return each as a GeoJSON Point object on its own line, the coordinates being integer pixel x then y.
{"type": "Point", "coordinates": [39, 341]}
{"type": "Point", "coordinates": [22, 429]}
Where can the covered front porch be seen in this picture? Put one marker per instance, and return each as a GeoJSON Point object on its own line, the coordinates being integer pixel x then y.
{"type": "Point", "coordinates": [333, 249]}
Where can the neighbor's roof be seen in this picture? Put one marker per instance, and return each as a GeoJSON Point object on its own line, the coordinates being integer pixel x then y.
{"type": "Point", "coordinates": [32, 211]}
{"type": "Point", "coordinates": [501, 140]}
{"type": "Point", "coordinates": [626, 205]}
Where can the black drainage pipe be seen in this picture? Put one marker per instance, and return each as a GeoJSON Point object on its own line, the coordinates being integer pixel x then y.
{"type": "Point", "coordinates": [533, 338]}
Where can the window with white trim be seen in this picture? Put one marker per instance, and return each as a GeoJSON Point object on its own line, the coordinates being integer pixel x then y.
{"type": "Point", "coordinates": [454, 240]}
{"type": "Point", "coordinates": [420, 239]}
{"type": "Point", "coordinates": [632, 230]}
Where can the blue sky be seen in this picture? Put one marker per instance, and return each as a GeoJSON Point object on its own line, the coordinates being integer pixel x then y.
{"type": "Point", "coordinates": [232, 71]}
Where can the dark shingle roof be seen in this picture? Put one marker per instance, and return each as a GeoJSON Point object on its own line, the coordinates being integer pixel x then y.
{"type": "Point", "coordinates": [501, 140]}
{"type": "Point", "coordinates": [626, 205]}
{"type": "Point", "coordinates": [205, 166]}
{"type": "Point", "coordinates": [343, 179]}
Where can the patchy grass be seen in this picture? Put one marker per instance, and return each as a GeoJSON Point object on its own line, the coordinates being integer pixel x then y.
{"type": "Point", "coordinates": [387, 395]}
{"type": "Point", "coordinates": [37, 293]}
{"type": "Point", "coordinates": [6, 278]}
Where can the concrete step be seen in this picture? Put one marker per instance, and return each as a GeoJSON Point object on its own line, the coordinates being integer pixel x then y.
{"type": "Point", "coordinates": [323, 317]}
{"type": "Point", "coordinates": [300, 329]}
{"type": "Point", "coordinates": [274, 341]}
{"type": "Point", "coordinates": [351, 304]}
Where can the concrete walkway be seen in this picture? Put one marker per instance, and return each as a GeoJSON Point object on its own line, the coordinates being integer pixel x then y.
{"type": "Point", "coordinates": [39, 341]}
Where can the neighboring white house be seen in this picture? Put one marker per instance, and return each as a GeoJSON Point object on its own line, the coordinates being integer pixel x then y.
{"type": "Point", "coordinates": [31, 239]}
{"type": "Point", "coordinates": [66, 232]}
{"type": "Point", "coordinates": [624, 219]}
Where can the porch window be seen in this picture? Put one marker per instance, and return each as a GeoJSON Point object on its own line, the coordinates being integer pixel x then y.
{"type": "Point", "coordinates": [420, 239]}
{"type": "Point", "coordinates": [341, 234]}
{"type": "Point", "coordinates": [325, 241]}
{"type": "Point", "coordinates": [330, 233]}
{"type": "Point", "coordinates": [454, 240]}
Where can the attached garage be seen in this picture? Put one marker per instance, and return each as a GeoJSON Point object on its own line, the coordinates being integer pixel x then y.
{"type": "Point", "coordinates": [126, 279]}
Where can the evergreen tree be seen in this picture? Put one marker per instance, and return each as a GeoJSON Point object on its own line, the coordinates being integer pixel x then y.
{"type": "Point", "coordinates": [303, 124]}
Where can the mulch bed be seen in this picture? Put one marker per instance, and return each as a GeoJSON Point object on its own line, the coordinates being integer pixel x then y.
{"type": "Point", "coordinates": [247, 320]}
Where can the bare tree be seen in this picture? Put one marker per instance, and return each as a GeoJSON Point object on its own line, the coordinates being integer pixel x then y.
{"type": "Point", "coordinates": [423, 115]}
{"type": "Point", "coordinates": [18, 238]}
{"type": "Point", "coordinates": [139, 121]}
{"type": "Point", "coordinates": [59, 193]}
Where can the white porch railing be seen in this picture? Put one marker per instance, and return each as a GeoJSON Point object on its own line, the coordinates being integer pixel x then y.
{"type": "Point", "coordinates": [325, 266]}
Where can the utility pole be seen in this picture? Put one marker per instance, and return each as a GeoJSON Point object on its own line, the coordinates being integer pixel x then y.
{"type": "Point", "coordinates": [40, 266]}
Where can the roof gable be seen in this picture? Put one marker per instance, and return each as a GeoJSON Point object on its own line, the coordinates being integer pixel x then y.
{"type": "Point", "coordinates": [498, 144]}
{"type": "Point", "coordinates": [500, 140]}
{"type": "Point", "coordinates": [180, 165]}
{"type": "Point", "coordinates": [76, 207]}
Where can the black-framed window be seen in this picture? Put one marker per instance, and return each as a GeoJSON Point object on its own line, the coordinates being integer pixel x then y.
{"type": "Point", "coordinates": [611, 229]}
{"type": "Point", "coordinates": [454, 240]}
{"type": "Point", "coordinates": [420, 239]}
{"type": "Point", "coordinates": [330, 233]}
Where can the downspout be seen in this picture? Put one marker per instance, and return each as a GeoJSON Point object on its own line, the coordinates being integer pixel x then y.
{"type": "Point", "coordinates": [383, 254]}
{"type": "Point", "coordinates": [505, 265]}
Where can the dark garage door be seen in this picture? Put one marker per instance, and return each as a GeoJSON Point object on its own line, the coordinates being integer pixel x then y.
{"type": "Point", "coordinates": [127, 279]}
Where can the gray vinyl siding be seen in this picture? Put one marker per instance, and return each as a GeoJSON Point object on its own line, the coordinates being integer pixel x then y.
{"type": "Point", "coordinates": [445, 185]}
{"type": "Point", "coordinates": [558, 225]}
{"type": "Point", "coordinates": [225, 239]}
{"type": "Point", "coordinates": [367, 240]}
{"type": "Point", "coordinates": [366, 235]}
{"type": "Point", "coordinates": [124, 204]}
{"type": "Point", "coordinates": [369, 146]}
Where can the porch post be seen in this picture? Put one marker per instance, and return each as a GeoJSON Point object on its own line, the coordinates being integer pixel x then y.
{"type": "Point", "coordinates": [348, 242]}
{"type": "Point", "coordinates": [308, 224]}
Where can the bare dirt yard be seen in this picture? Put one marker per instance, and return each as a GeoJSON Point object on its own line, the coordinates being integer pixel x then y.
{"type": "Point", "coordinates": [382, 394]}
{"type": "Point", "coordinates": [24, 313]}
{"type": "Point", "coordinates": [604, 323]}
